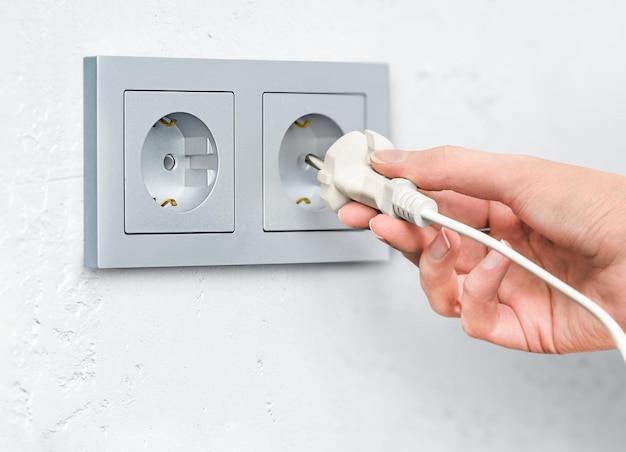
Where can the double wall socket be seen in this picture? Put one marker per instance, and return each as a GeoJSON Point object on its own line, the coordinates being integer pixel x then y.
{"type": "Point", "coordinates": [201, 162]}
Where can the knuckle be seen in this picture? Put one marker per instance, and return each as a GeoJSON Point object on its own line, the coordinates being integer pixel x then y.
{"type": "Point", "coordinates": [442, 306]}
{"type": "Point", "coordinates": [472, 289]}
{"type": "Point", "coordinates": [448, 151]}
{"type": "Point", "coordinates": [470, 330]}
{"type": "Point", "coordinates": [445, 154]}
{"type": "Point", "coordinates": [442, 158]}
{"type": "Point", "coordinates": [473, 329]}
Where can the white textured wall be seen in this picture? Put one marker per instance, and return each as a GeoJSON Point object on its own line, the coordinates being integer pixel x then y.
{"type": "Point", "coordinates": [255, 358]}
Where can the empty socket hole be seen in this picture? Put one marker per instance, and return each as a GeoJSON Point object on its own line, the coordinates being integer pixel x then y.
{"type": "Point", "coordinates": [169, 162]}
{"type": "Point", "coordinates": [313, 133]}
{"type": "Point", "coordinates": [179, 162]}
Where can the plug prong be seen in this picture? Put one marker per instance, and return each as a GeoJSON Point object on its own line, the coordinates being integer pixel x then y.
{"type": "Point", "coordinates": [314, 161]}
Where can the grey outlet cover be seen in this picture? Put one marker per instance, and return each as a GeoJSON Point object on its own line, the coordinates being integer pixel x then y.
{"type": "Point", "coordinates": [124, 229]}
{"type": "Point", "coordinates": [215, 209]}
{"type": "Point", "coordinates": [281, 212]}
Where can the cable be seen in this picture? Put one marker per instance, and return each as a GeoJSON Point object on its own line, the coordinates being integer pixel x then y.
{"type": "Point", "coordinates": [345, 174]}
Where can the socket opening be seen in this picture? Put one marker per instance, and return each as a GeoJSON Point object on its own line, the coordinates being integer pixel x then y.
{"type": "Point", "coordinates": [312, 133]}
{"type": "Point", "coordinates": [179, 162]}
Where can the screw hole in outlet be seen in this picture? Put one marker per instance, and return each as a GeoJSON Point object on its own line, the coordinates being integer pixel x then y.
{"type": "Point", "coordinates": [179, 162]}
{"type": "Point", "coordinates": [309, 134]}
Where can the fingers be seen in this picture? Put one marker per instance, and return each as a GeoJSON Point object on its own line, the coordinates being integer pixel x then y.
{"type": "Point", "coordinates": [480, 296]}
{"type": "Point", "coordinates": [403, 236]}
{"type": "Point", "coordinates": [437, 273]}
{"type": "Point", "coordinates": [483, 316]}
{"type": "Point", "coordinates": [356, 215]}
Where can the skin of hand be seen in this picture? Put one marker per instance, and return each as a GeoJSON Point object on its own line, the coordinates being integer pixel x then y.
{"type": "Point", "coordinates": [569, 220]}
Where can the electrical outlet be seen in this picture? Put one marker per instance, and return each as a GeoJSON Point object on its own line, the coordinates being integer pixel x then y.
{"type": "Point", "coordinates": [193, 162]}
{"type": "Point", "coordinates": [178, 162]}
{"type": "Point", "coordinates": [293, 126]}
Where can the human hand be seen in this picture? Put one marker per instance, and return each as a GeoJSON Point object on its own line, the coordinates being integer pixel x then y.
{"type": "Point", "coordinates": [569, 220]}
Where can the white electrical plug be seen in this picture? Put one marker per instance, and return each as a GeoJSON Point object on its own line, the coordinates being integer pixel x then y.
{"type": "Point", "coordinates": [346, 174]}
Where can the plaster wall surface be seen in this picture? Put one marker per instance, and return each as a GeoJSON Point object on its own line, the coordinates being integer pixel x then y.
{"type": "Point", "coordinates": [293, 358]}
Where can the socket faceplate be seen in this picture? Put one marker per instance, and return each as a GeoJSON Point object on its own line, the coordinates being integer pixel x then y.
{"type": "Point", "coordinates": [178, 162]}
{"type": "Point", "coordinates": [233, 183]}
{"type": "Point", "coordinates": [293, 126]}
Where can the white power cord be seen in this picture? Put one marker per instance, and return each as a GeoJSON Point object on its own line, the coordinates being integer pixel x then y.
{"type": "Point", "coordinates": [346, 174]}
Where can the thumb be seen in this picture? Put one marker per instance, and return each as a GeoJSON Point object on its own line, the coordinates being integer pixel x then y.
{"type": "Point", "coordinates": [538, 191]}
{"type": "Point", "coordinates": [478, 174]}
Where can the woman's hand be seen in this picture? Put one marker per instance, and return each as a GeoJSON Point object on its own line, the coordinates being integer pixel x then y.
{"type": "Point", "coordinates": [569, 220]}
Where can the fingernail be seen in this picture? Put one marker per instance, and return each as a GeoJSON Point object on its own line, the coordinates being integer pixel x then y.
{"type": "Point", "coordinates": [339, 214]}
{"type": "Point", "coordinates": [376, 235]}
{"type": "Point", "coordinates": [492, 259]}
{"type": "Point", "coordinates": [440, 245]}
{"type": "Point", "coordinates": [388, 156]}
